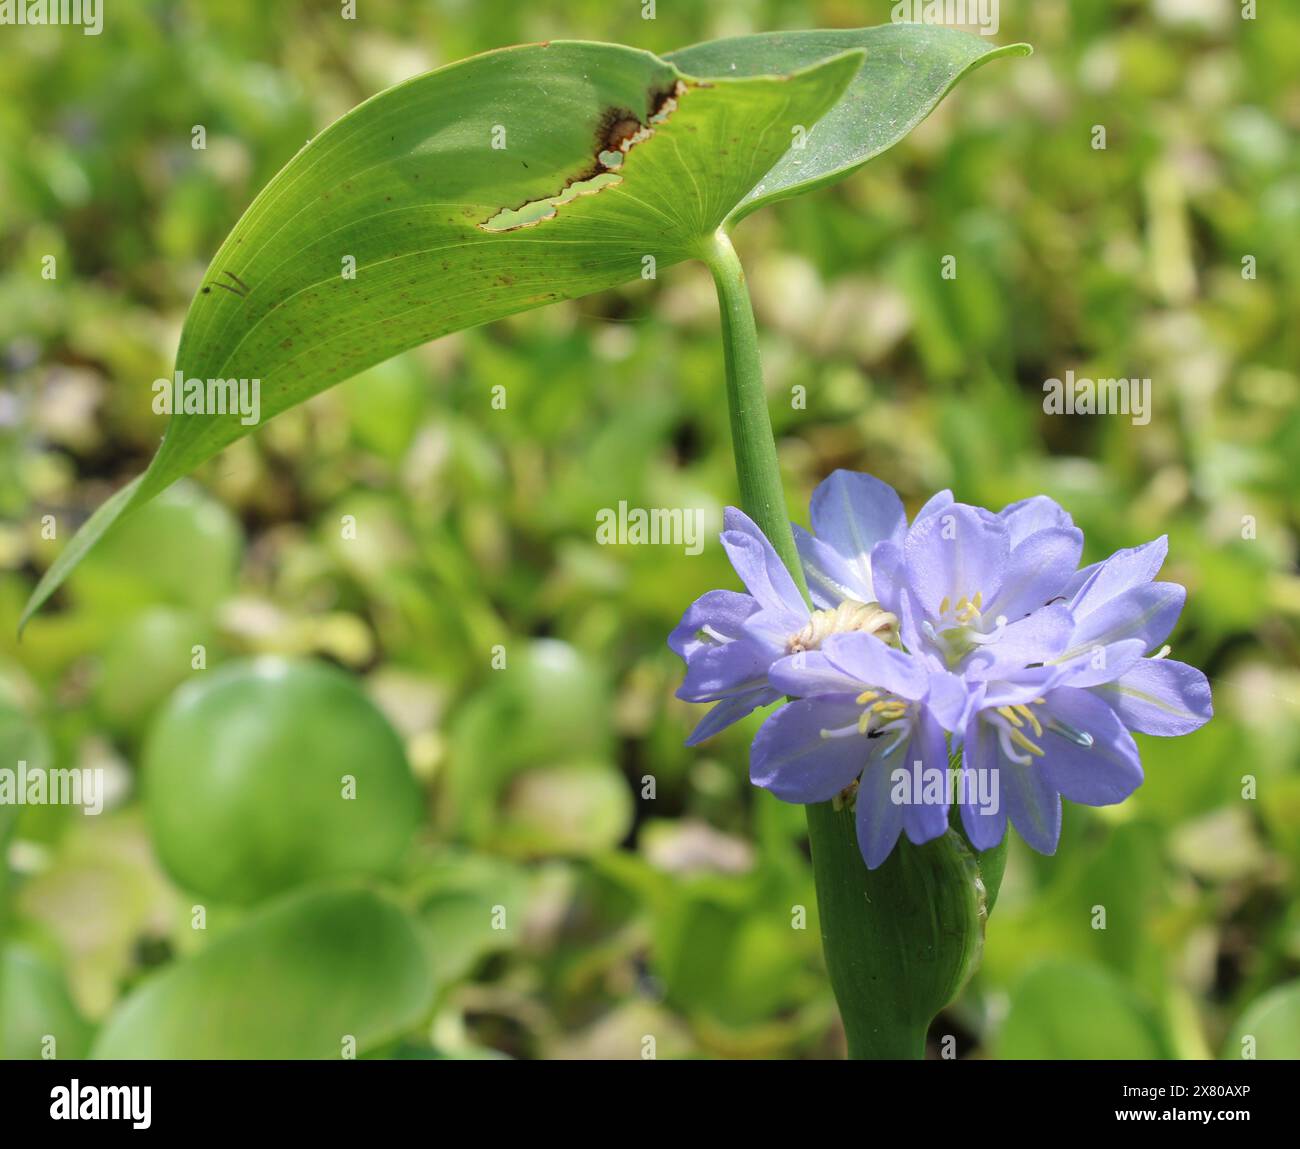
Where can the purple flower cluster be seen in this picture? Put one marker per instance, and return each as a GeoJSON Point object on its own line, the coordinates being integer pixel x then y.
{"type": "Point", "coordinates": [967, 635]}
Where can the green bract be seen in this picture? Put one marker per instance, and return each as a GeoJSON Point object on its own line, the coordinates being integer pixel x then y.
{"type": "Point", "coordinates": [513, 179]}
{"type": "Point", "coordinates": [247, 777]}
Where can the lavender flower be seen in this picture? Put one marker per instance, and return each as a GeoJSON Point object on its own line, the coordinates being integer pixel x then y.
{"type": "Point", "coordinates": [1042, 739]}
{"type": "Point", "coordinates": [730, 640]}
{"type": "Point", "coordinates": [868, 714]}
{"type": "Point", "coordinates": [974, 591]}
{"type": "Point", "coordinates": [968, 631]}
{"type": "Point", "coordinates": [1117, 602]}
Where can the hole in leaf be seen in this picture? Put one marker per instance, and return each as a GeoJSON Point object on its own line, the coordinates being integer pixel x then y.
{"type": "Point", "coordinates": [619, 132]}
{"type": "Point", "coordinates": [539, 209]}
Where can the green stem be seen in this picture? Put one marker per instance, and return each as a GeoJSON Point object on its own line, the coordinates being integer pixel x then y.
{"type": "Point", "coordinates": [900, 939]}
{"type": "Point", "coordinates": [762, 495]}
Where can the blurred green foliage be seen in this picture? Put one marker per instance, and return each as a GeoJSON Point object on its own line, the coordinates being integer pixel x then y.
{"type": "Point", "coordinates": [580, 879]}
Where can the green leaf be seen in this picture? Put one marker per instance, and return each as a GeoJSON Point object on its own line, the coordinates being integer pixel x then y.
{"type": "Point", "coordinates": [404, 185]}
{"type": "Point", "coordinates": [610, 155]}
{"type": "Point", "coordinates": [21, 739]}
{"type": "Point", "coordinates": [290, 982]}
{"type": "Point", "coordinates": [455, 899]}
{"type": "Point", "coordinates": [268, 773]}
{"type": "Point", "coordinates": [1077, 1011]}
{"type": "Point", "coordinates": [1272, 1023]}
{"type": "Point", "coordinates": [35, 1006]}
{"type": "Point", "coordinates": [908, 69]}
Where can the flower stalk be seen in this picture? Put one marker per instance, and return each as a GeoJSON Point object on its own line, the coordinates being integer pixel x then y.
{"type": "Point", "coordinates": [762, 495]}
{"type": "Point", "coordinates": [899, 941]}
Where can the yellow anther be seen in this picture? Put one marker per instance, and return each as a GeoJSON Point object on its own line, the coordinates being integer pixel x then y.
{"type": "Point", "coordinates": [1020, 740]}
{"type": "Point", "coordinates": [889, 710]}
{"type": "Point", "coordinates": [978, 601]}
{"type": "Point", "coordinates": [1038, 726]}
{"type": "Point", "coordinates": [1009, 713]}
{"type": "Point", "coordinates": [943, 606]}
{"type": "Point", "coordinates": [867, 696]}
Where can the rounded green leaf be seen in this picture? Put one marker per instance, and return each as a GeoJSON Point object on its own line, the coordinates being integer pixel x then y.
{"type": "Point", "coordinates": [265, 774]}
{"type": "Point", "coordinates": [295, 981]}
{"type": "Point", "coordinates": [1269, 1030]}
{"type": "Point", "coordinates": [38, 1015]}
{"type": "Point", "coordinates": [144, 660]}
{"type": "Point", "coordinates": [1076, 1011]}
{"type": "Point", "coordinates": [183, 549]}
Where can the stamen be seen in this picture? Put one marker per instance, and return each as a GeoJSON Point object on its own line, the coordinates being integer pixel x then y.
{"type": "Point", "coordinates": [1018, 737]}
{"type": "Point", "coordinates": [1010, 736]}
{"type": "Point", "coordinates": [1163, 652]}
{"type": "Point", "coordinates": [1068, 732]}
{"type": "Point", "coordinates": [943, 606]}
{"type": "Point", "coordinates": [840, 732]}
{"type": "Point", "coordinates": [1009, 713]}
{"type": "Point", "coordinates": [867, 696]}
{"type": "Point", "coordinates": [1038, 726]}
{"type": "Point", "coordinates": [893, 747]}
{"type": "Point", "coordinates": [1019, 759]}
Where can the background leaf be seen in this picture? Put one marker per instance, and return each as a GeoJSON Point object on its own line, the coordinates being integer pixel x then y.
{"type": "Point", "coordinates": [1273, 1021]}
{"type": "Point", "coordinates": [288, 983]}
{"type": "Point", "coordinates": [1076, 1010]}
{"type": "Point", "coordinates": [34, 1006]}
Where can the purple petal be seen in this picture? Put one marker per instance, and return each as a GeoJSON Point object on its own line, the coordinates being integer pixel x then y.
{"type": "Point", "coordinates": [763, 574]}
{"type": "Point", "coordinates": [1037, 638]}
{"type": "Point", "coordinates": [852, 512]}
{"type": "Point", "coordinates": [873, 664]}
{"type": "Point", "coordinates": [1102, 774]}
{"type": "Point", "coordinates": [888, 575]}
{"type": "Point", "coordinates": [791, 758]}
{"type": "Point", "coordinates": [1037, 571]}
{"type": "Point", "coordinates": [1032, 804]}
{"type": "Point", "coordinates": [1160, 696]}
{"type": "Point", "coordinates": [1125, 569]}
{"type": "Point", "coordinates": [773, 629]}
{"type": "Point", "coordinates": [731, 710]}
{"type": "Point", "coordinates": [723, 611]}
{"type": "Point", "coordinates": [1021, 687]}
{"type": "Point", "coordinates": [810, 672]}
{"type": "Point", "coordinates": [721, 670]}
{"type": "Point", "coordinates": [935, 503]}
{"type": "Point", "coordinates": [985, 824]}
{"type": "Point", "coordinates": [955, 553]}
{"type": "Point", "coordinates": [950, 699]}
{"type": "Point", "coordinates": [1146, 612]}
{"type": "Point", "coordinates": [1101, 664]}
{"type": "Point", "coordinates": [879, 816]}
{"type": "Point", "coordinates": [830, 578]}
{"type": "Point", "coordinates": [1029, 516]}
{"type": "Point", "coordinates": [927, 753]}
